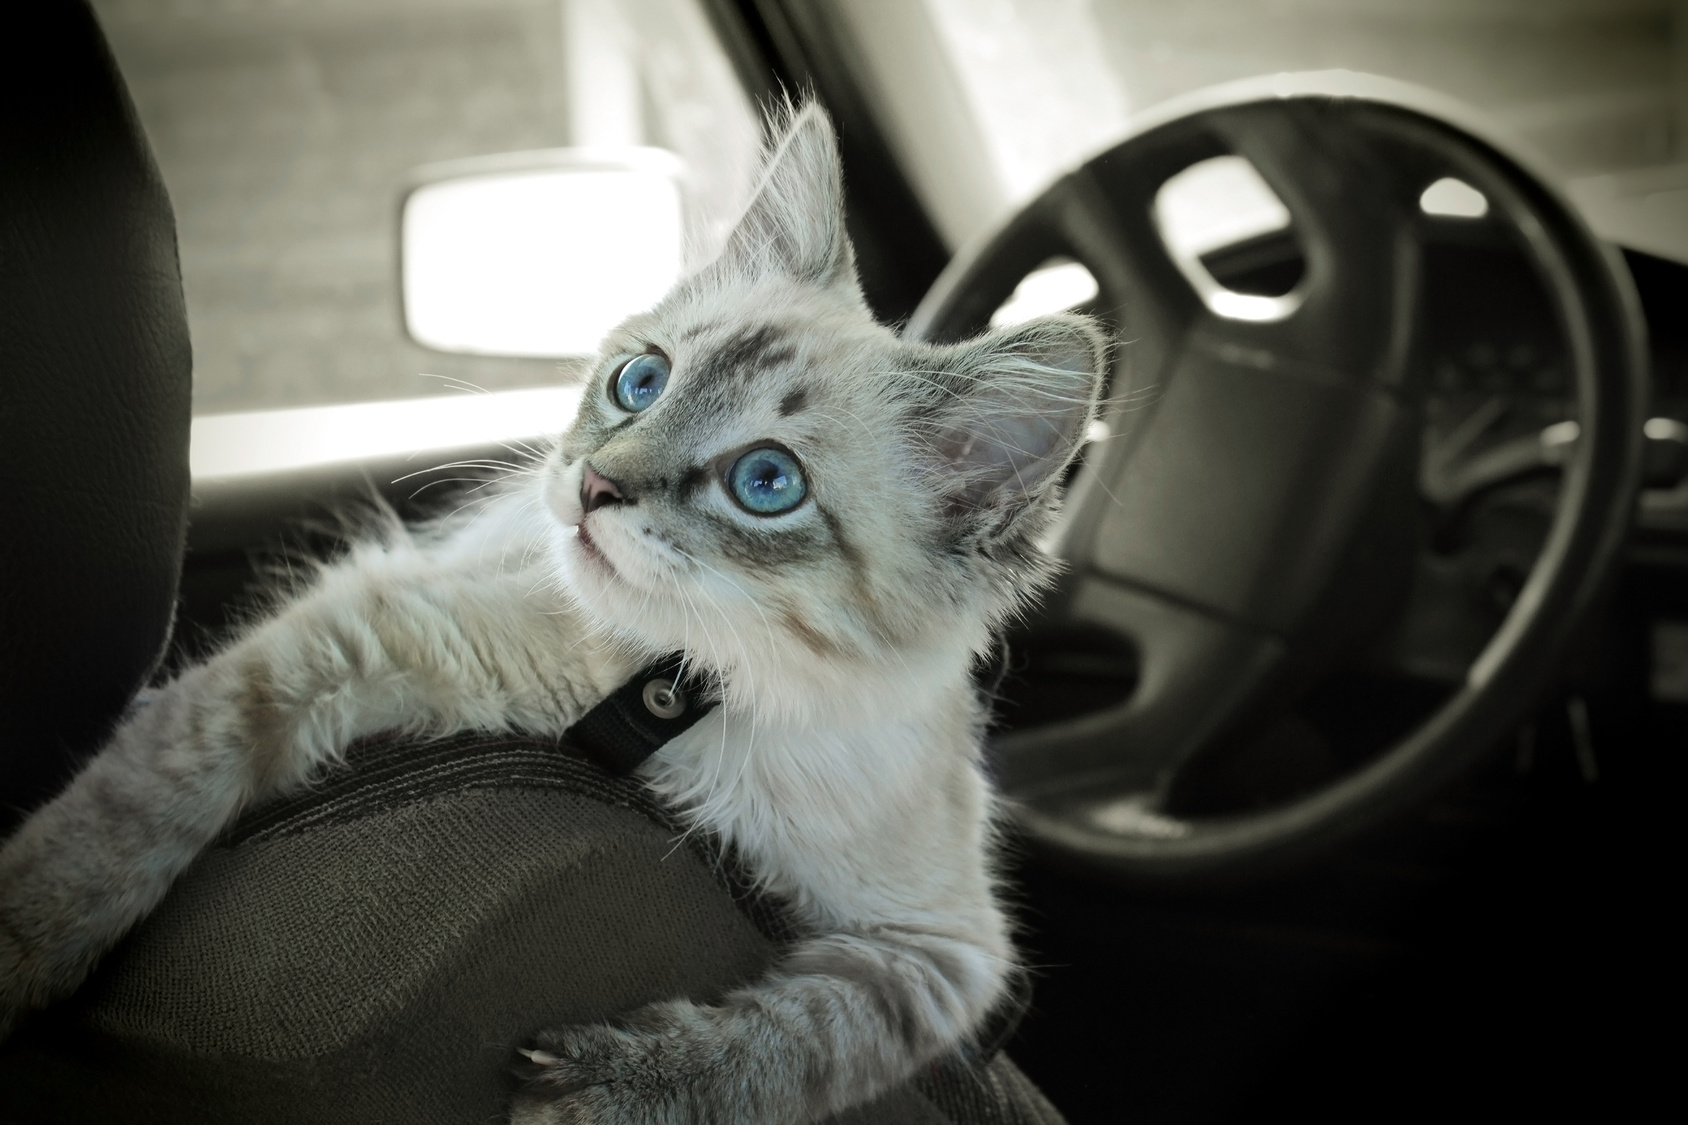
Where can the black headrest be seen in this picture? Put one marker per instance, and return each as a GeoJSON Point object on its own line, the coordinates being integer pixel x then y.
{"type": "Point", "coordinates": [95, 388]}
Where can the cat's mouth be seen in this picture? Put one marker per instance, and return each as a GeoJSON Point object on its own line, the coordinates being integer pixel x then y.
{"type": "Point", "coordinates": [589, 547]}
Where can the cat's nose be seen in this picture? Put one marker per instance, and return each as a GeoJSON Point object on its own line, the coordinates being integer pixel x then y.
{"type": "Point", "coordinates": [596, 490]}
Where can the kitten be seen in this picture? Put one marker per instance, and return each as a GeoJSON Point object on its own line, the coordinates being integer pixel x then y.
{"type": "Point", "coordinates": [831, 520]}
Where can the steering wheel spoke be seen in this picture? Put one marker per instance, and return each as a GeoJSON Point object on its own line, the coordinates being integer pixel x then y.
{"type": "Point", "coordinates": [1194, 671]}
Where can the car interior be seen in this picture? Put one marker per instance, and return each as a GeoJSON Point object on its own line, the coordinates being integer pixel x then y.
{"type": "Point", "coordinates": [1335, 763]}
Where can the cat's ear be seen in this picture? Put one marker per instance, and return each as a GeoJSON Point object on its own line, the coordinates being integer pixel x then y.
{"type": "Point", "coordinates": [1017, 404]}
{"type": "Point", "coordinates": [794, 226]}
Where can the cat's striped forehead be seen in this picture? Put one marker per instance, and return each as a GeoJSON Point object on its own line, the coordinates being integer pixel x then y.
{"type": "Point", "coordinates": [724, 367]}
{"type": "Point", "coordinates": [764, 361]}
{"type": "Point", "coordinates": [736, 340]}
{"type": "Point", "coordinates": [728, 356]}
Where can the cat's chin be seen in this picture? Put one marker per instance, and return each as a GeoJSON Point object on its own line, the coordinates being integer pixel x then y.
{"type": "Point", "coordinates": [585, 570]}
{"type": "Point", "coordinates": [600, 590]}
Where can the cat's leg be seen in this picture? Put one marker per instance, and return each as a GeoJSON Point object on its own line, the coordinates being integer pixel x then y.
{"type": "Point", "coordinates": [843, 1018]}
{"type": "Point", "coordinates": [376, 643]}
{"type": "Point", "coordinates": [85, 866]}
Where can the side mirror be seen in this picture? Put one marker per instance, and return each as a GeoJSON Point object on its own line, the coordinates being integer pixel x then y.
{"type": "Point", "coordinates": [538, 254]}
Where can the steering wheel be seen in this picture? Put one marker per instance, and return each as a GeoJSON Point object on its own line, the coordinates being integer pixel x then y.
{"type": "Point", "coordinates": [1258, 519]}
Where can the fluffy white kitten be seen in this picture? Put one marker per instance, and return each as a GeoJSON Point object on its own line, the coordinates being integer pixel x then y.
{"type": "Point", "coordinates": [830, 519]}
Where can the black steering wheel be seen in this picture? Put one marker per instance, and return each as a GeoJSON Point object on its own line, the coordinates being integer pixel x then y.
{"type": "Point", "coordinates": [1255, 523]}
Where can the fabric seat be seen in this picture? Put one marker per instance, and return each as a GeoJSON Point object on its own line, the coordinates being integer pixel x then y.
{"type": "Point", "coordinates": [376, 948]}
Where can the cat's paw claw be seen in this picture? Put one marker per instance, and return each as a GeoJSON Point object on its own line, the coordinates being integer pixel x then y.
{"type": "Point", "coordinates": [595, 1075]}
{"type": "Point", "coordinates": [538, 1057]}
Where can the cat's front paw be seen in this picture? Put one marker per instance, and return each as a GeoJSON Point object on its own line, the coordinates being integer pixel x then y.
{"type": "Point", "coordinates": [653, 1068]}
{"type": "Point", "coordinates": [25, 979]}
{"type": "Point", "coordinates": [12, 1002]}
{"type": "Point", "coordinates": [23, 986]}
{"type": "Point", "coordinates": [596, 1075]}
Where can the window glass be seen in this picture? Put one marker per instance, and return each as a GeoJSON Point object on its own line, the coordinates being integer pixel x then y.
{"type": "Point", "coordinates": [988, 100]}
{"type": "Point", "coordinates": [286, 131]}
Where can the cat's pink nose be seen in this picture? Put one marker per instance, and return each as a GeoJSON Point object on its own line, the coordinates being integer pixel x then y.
{"type": "Point", "coordinates": [596, 490]}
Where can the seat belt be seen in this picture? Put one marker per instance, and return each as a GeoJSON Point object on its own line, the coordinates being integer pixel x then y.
{"type": "Point", "coordinates": [660, 703]}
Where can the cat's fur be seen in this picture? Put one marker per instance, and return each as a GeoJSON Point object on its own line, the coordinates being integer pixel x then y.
{"type": "Point", "coordinates": [844, 763]}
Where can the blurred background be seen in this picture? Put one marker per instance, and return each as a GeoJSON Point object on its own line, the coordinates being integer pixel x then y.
{"type": "Point", "coordinates": [287, 130]}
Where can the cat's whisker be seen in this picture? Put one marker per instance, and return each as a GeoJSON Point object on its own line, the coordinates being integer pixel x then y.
{"type": "Point", "coordinates": [471, 504]}
{"type": "Point", "coordinates": [525, 449]}
{"type": "Point", "coordinates": [721, 753]}
{"type": "Point", "coordinates": [832, 411]}
{"type": "Point", "coordinates": [712, 794]}
{"type": "Point", "coordinates": [708, 797]}
{"type": "Point", "coordinates": [479, 483]}
{"type": "Point", "coordinates": [767, 626]}
{"type": "Point", "coordinates": [1108, 492]}
{"type": "Point", "coordinates": [727, 619]}
{"type": "Point", "coordinates": [452, 382]}
{"type": "Point", "coordinates": [472, 463]}
{"type": "Point", "coordinates": [753, 719]}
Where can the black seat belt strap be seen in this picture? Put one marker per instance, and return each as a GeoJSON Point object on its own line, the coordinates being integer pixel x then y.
{"type": "Point", "coordinates": [636, 719]}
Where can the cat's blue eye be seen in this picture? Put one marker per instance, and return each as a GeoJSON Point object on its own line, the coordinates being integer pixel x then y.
{"type": "Point", "coordinates": [767, 482]}
{"type": "Point", "coordinates": [640, 381]}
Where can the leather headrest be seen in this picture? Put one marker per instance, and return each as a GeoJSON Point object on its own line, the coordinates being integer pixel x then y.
{"type": "Point", "coordinates": [95, 397]}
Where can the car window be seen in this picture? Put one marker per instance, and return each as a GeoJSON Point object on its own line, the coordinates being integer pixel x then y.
{"type": "Point", "coordinates": [987, 100]}
{"type": "Point", "coordinates": [286, 130]}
